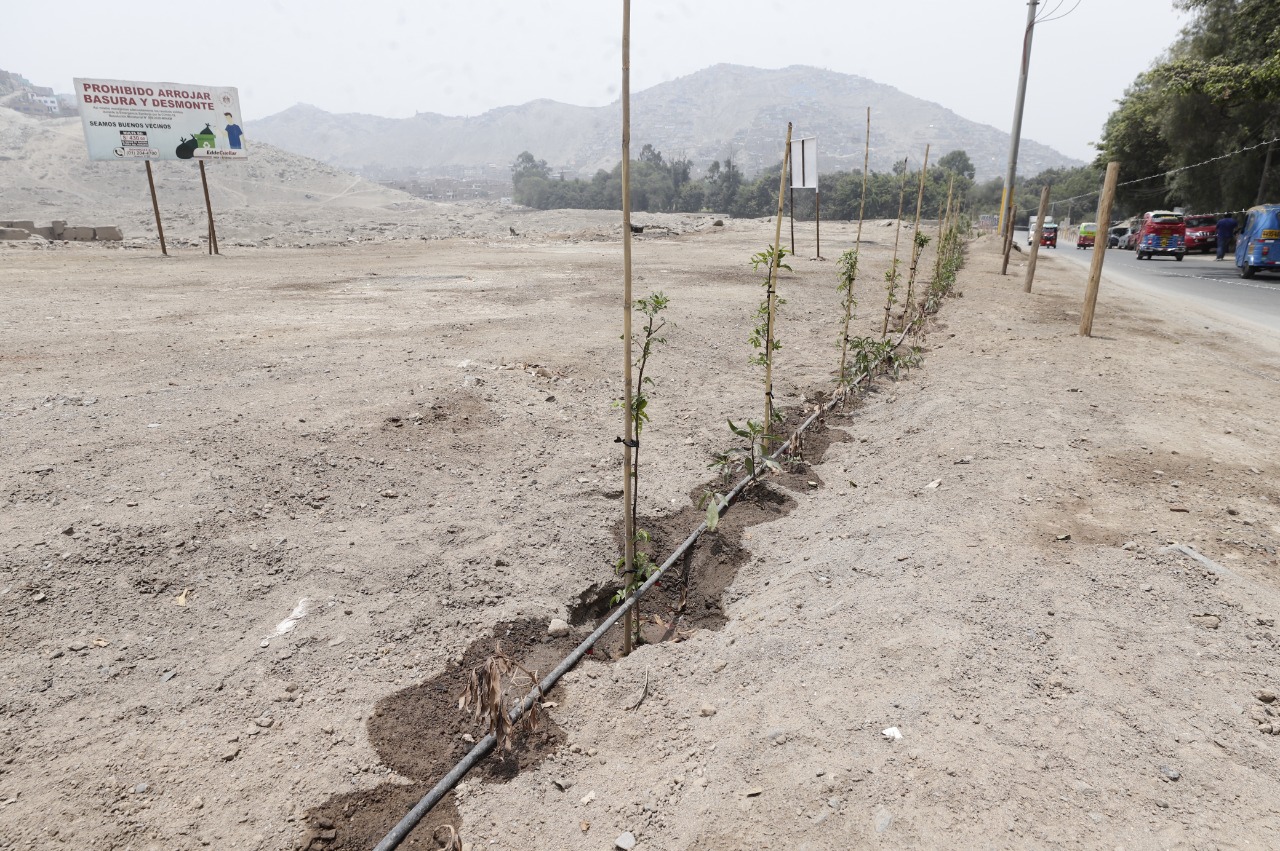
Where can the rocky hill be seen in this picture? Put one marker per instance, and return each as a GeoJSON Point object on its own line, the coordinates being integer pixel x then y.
{"type": "Point", "coordinates": [720, 111]}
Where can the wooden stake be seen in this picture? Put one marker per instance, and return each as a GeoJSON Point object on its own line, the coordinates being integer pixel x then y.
{"type": "Point", "coordinates": [155, 205]}
{"type": "Point", "coordinates": [857, 245]}
{"type": "Point", "coordinates": [628, 441]}
{"type": "Point", "coordinates": [916, 250]}
{"type": "Point", "coordinates": [1100, 250]}
{"type": "Point", "coordinates": [791, 208]}
{"type": "Point", "coordinates": [208, 208]}
{"type": "Point", "coordinates": [1035, 239]}
{"type": "Point", "coordinates": [817, 219]}
{"type": "Point", "coordinates": [943, 221]}
{"type": "Point", "coordinates": [773, 301]}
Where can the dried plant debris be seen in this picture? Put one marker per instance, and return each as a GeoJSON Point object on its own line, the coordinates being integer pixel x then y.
{"type": "Point", "coordinates": [493, 690]}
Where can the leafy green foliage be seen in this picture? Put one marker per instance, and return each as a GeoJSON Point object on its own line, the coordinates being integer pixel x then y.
{"type": "Point", "coordinates": [1218, 92]}
{"type": "Point", "coordinates": [759, 334]}
{"type": "Point", "coordinates": [749, 456]}
{"type": "Point", "coordinates": [848, 274]}
{"type": "Point", "coordinates": [662, 185]}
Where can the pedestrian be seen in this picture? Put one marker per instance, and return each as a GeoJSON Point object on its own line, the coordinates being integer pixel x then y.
{"type": "Point", "coordinates": [1226, 230]}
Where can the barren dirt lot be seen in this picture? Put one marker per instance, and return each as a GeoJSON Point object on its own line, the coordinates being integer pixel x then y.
{"type": "Point", "coordinates": [259, 508]}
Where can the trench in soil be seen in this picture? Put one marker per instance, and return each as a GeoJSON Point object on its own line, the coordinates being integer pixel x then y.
{"type": "Point", "coordinates": [420, 733]}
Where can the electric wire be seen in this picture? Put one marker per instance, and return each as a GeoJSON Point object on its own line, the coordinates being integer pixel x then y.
{"type": "Point", "coordinates": [1171, 171]}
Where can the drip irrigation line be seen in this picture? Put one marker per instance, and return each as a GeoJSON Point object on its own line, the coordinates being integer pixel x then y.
{"type": "Point", "coordinates": [481, 749]}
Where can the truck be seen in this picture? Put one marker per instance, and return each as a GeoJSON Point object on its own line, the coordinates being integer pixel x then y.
{"type": "Point", "coordinates": [1031, 226]}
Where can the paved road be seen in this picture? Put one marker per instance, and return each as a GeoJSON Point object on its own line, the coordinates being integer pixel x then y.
{"type": "Point", "coordinates": [1199, 278]}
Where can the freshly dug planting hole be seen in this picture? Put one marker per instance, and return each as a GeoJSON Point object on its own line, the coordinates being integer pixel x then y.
{"type": "Point", "coordinates": [418, 732]}
{"type": "Point", "coordinates": [357, 821]}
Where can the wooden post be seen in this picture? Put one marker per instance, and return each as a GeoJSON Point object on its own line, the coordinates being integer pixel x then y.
{"type": "Point", "coordinates": [1035, 239]}
{"type": "Point", "coordinates": [155, 205]}
{"type": "Point", "coordinates": [773, 300]}
{"type": "Point", "coordinates": [915, 246]}
{"type": "Point", "coordinates": [208, 208]}
{"type": "Point", "coordinates": [792, 208]}
{"type": "Point", "coordinates": [817, 218]}
{"type": "Point", "coordinates": [628, 440]}
{"type": "Point", "coordinates": [1100, 251]}
{"type": "Point", "coordinates": [1008, 241]}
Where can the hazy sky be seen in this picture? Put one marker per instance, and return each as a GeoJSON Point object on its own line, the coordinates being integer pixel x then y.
{"type": "Point", "coordinates": [465, 57]}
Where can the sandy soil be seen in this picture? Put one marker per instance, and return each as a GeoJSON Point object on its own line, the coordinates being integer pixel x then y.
{"type": "Point", "coordinates": [410, 444]}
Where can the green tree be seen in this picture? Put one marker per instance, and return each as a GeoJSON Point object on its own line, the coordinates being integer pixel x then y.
{"type": "Point", "coordinates": [957, 162]}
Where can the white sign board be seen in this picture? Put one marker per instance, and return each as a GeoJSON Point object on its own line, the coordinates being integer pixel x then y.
{"type": "Point", "coordinates": [804, 164]}
{"type": "Point", "coordinates": [126, 120]}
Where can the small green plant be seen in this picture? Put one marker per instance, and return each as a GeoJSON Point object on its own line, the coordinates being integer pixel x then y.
{"type": "Point", "coordinates": [917, 248]}
{"type": "Point", "coordinates": [848, 270]}
{"type": "Point", "coordinates": [713, 502]}
{"type": "Point", "coordinates": [762, 337]}
{"type": "Point", "coordinates": [649, 338]}
{"type": "Point", "coordinates": [750, 457]}
{"type": "Point", "coordinates": [891, 278]}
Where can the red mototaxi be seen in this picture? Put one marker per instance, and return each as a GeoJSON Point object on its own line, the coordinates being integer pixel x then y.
{"type": "Point", "coordinates": [1049, 236]}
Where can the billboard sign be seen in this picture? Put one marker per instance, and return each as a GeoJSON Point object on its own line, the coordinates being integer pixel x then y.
{"type": "Point", "coordinates": [804, 164]}
{"type": "Point", "coordinates": [126, 120]}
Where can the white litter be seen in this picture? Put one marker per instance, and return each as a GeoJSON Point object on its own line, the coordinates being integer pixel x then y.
{"type": "Point", "coordinates": [299, 612]}
{"type": "Point", "coordinates": [892, 733]}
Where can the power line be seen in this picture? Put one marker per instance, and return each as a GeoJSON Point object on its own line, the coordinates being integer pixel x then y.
{"type": "Point", "coordinates": [1173, 170]}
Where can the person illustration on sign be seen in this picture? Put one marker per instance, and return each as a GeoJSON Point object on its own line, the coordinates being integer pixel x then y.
{"type": "Point", "coordinates": [234, 133]}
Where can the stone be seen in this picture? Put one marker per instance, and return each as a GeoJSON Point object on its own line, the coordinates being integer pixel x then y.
{"type": "Point", "coordinates": [625, 842]}
{"type": "Point", "coordinates": [77, 646]}
{"type": "Point", "coordinates": [1266, 696]}
{"type": "Point", "coordinates": [707, 710]}
{"type": "Point", "coordinates": [389, 494]}
{"type": "Point", "coordinates": [558, 628]}
{"type": "Point", "coordinates": [230, 753]}
{"type": "Point", "coordinates": [1206, 621]}
{"type": "Point", "coordinates": [1170, 774]}
{"type": "Point", "coordinates": [883, 819]}
{"type": "Point", "coordinates": [197, 803]}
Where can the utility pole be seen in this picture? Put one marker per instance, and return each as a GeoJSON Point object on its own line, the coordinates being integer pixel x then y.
{"type": "Point", "coordinates": [1017, 113]}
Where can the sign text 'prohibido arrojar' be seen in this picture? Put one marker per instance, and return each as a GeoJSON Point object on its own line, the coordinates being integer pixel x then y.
{"type": "Point", "coordinates": [160, 121]}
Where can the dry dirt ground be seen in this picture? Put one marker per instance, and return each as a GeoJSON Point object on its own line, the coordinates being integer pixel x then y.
{"type": "Point", "coordinates": [261, 511]}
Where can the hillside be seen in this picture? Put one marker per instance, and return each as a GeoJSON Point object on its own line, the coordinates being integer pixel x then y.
{"type": "Point", "coordinates": [708, 115]}
{"type": "Point", "coordinates": [274, 198]}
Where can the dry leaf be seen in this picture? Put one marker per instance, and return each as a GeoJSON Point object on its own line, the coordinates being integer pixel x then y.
{"type": "Point", "coordinates": [100, 642]}
{"type": "Point", "coordinates": [182, 598]}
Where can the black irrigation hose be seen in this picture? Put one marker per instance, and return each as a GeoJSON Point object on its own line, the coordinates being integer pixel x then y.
{"type": "Point", "coordinates": [481, 749]}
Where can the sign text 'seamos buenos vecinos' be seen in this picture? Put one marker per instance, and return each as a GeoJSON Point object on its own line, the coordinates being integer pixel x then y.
{"type": "Point", "coordinates": [160, 121]}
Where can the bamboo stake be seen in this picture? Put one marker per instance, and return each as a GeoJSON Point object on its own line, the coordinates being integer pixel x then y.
{"type": "Point", "coordinates": [1100, 251]}
{"type": "Point", "coordinates": [155, 205]}
{"type": "Point", "coordinates": [857, 245]}
{"type": "Point", "coordinates": [891, 278]}
{"type": "Point", "coordinates": [773, 291]}
{"type": "Point", "coordinates": [628, 441]}
{"type": "Point", "coordinates": [916, 248]}
{"type": "Point", "coordinates": [1035, 239]}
